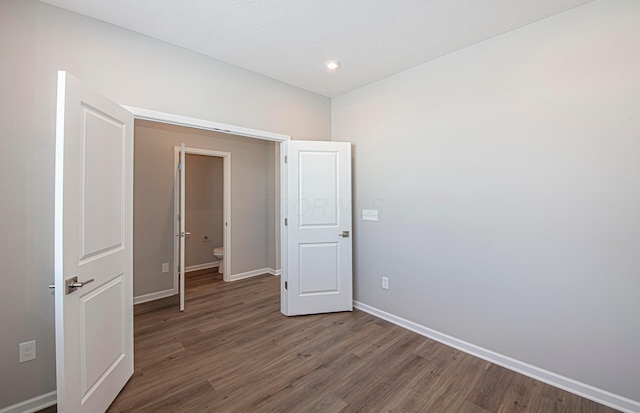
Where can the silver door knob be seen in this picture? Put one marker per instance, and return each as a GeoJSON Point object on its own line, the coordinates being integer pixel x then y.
{"type": "Point", "coordinates": [345, 234]}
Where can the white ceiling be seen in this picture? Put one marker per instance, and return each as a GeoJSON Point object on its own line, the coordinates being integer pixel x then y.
{"type": "Point", "coordinates": [290, 40]}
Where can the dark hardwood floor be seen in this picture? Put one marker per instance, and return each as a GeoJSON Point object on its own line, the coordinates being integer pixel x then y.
{"type": "Point", "coordinates": [232, 351]}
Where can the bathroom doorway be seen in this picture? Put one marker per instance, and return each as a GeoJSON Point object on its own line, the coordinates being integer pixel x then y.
{"type": "Point", "coordinates": [203, 205]}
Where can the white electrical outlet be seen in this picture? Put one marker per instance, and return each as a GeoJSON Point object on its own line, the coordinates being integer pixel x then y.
{"type": "Point", "coordinates": [369, 214]}
{"type": "Point", "coordinates": [385, 283]}
{"type": "Point", "coordinates": [27, 351]}
{"type": "Point", "coordinates": [165, 267]}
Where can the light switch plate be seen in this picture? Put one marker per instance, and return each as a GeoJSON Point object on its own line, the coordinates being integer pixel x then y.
{"type": "Point", "coordinates": [369, 214]}
{"type": "Point", "coordinates": [165, 267]}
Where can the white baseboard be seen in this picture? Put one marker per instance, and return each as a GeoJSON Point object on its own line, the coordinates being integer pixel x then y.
{"type": "Point", "coordinates": [249, 274]}
{"type": "Point", "coordinates": [581, 389]}
{"type": "Point", "coordinates": [235, 277]}
{"type": "Point", "coordinates": [154, 296]}
{"type": "Point", "coordinates": [204, 266]}
{"type": "Point", "coordinates": [274, 272]}
{"type": "Point", "coordinates": [32, 405]}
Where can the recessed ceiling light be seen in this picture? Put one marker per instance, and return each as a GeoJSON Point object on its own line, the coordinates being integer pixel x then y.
{"type": "Point", "coordinates": [332, 64]}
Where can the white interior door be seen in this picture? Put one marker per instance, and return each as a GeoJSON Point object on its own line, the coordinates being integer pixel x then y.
{"type": "Point", "coordinates": [316, 241]}
{"type": "Point", "coordinates": [93, 242]}
{"type": "Point", "coordinates": [182, 219]}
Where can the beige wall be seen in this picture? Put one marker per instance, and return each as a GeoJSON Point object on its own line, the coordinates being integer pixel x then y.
{"type": "Point", "coordinates": [204, 207]}
{"type": "Point", "coordinates": [36, 40]}
{"type": "Point", "coordinates": [252, 175]}
{"type": "Point", "coordinates": [507, 177]}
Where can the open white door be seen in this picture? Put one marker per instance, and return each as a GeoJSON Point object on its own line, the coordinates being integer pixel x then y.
{"type": "Point", "coordinates": [182, 219]}
{"type": "Point", "coordinates": [93, 248]}
{"type": "Point", "coordinates": [316, 236]}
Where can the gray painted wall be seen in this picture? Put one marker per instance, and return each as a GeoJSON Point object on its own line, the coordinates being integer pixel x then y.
{"type": "Point", "coordinates": [204, 207]}
{"type": "Point", "coordinates": [252, 175]}
{"type": "Point", "coordinates": [507, 177]}
{"type": "Point", "coordinates": [36, 40]}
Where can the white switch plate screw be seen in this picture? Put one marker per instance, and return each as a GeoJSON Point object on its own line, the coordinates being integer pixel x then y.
{"type": "Point", "coordinates": [27, 351]}
{"type": "Point", "coordinates": [385, 283]}
{"type": "Point", "coordinates": [165, 267]}
{"type": "Point", "coordinates": [369, 214]}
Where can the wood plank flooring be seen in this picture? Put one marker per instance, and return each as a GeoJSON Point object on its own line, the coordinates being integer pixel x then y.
{"type": "Point", "coordinates": [232, 351]}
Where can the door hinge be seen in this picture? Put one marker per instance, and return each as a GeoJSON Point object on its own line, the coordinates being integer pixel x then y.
{"type": "Point", "coordinates": [286, 222]}
{"type": "Point", "coordinates": [180, 166]}
{"type": "Point", "coordinates": [286, 285]}
{"type": "Point", "coordinates": [285, 159]}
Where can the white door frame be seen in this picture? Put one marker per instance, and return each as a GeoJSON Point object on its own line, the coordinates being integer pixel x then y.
{"type": "Point", "coordinates": [226, 207]}
{"type": "Point", "coordinates": [163, 117]}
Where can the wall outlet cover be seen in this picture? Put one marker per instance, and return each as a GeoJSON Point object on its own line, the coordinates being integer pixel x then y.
{"type": "Point", "coordinates": [27, 351]}
{"type": "Point", "coordinates": [385, 283]}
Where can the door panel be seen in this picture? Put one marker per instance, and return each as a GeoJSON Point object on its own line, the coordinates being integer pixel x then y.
{"type": "Point", "coordinates": [317, 273]}
{"type": "Point", "coordinates": [102, 346]}
{"type": "Point", "coordinates": [102, 187]}
{"type": "Point", "coordinates": [93, 241]}
{"type": "Point", "coordinates": [318, 194]}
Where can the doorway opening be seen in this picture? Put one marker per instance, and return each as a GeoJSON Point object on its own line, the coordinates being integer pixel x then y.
{"type": "Point", "coordinates": [251, 245]}
{"type": "Point", "coordinates": [207, 188]}
{"type": "Point", "coordinates": [204, 204]}
{"type": "Point", "coordinates": [208, 209]}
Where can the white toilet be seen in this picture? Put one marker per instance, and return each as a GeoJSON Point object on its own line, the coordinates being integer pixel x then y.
{"type": "Point", "coordinates": [218, 252]}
